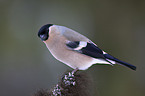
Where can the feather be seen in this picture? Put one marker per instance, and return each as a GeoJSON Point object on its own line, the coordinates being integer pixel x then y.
{"type": "Point", "coordinates": [93, 51]}
{"type": "Point", "coordinates": [119, 61]}
{"type": "Point", "coordinates": [88, 49]}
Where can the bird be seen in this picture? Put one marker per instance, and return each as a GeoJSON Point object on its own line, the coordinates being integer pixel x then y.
{"type": "Point", "coordinates": [75, 49]}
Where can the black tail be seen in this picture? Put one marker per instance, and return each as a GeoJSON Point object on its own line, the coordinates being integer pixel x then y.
{"type": "Point", "coordinates": [119, 61]}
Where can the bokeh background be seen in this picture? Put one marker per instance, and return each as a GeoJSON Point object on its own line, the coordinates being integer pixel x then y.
{"type": "Point", "coordinates": [116, 26]}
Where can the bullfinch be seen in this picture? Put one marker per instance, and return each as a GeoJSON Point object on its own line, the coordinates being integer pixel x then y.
{"type": "Point", "coordinates": [74, 49]}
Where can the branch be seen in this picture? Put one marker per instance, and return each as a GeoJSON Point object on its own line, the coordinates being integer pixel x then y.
{"type": "Point", "coordinates": [78, 84]}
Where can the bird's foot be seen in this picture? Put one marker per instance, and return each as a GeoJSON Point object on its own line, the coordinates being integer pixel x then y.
{"type": "Point", "coordinates": [75, 70]}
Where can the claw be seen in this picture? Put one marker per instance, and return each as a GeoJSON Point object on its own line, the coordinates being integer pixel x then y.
{"type": "Point", "coordinates": [75, 70]}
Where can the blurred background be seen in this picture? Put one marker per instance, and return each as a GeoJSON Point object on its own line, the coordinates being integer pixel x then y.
{"type": "Point", "coordinates": [116, 26]}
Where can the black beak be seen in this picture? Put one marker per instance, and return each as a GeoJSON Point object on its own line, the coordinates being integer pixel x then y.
{"type": "Point", "coordinates": [43, 37]}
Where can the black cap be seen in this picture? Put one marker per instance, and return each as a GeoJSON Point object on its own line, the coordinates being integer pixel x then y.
{"type": "Point", "coordinates": [44, 32]}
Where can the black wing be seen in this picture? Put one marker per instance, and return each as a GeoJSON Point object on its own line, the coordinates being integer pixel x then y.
{"type": "Point", "coordinates": [93, 51]}
{"type": "Point", "coordinates": [90, 49]}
